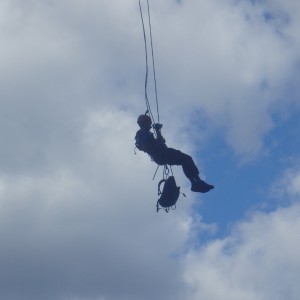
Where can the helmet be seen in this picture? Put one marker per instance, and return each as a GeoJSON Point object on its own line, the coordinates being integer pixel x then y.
{"type": "Point", "coordinates": [143, 120]}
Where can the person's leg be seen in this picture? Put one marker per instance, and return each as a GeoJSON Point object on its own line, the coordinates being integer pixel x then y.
{"type": "Point", "coordinates": [176, 157]}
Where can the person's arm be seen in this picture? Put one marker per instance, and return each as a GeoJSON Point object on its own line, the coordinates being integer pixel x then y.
{"type": "Point", "coordinates": [144, 138]}
{"type": "Point", "coordinates": [157, 128]}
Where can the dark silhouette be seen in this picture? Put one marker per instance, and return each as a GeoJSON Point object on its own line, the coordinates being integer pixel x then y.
{"type": "Point", "coordinates": [162, 155]}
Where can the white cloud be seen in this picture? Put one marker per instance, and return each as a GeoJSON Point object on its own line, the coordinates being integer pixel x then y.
{"type": "Point", "coordinates": [258, 260]}
{"type": "Point", "coordinates": [222, 58]}
{"type": "Point", "coordinates": [288, 186]}
{"type": "Point", "coordinates": [229, 61]}
{"type": "Point", "coordinates": [77, 207]}
{"type": "Point", "coordinates": [91, 229]}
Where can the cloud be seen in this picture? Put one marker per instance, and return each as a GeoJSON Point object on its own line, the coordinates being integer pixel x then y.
{"type": "Point", "coordinates": [90, 229]}
{"type": "Point", "coordinates": [234, 64]}
{"type": "Point", "coordinates": [64, 57]}
{"type": "Point", "coordinates": [288, 186]}
{"type": "Point", "coordinates": [258, 260]}
{"type": "Point", "coordinates": [77, 207]}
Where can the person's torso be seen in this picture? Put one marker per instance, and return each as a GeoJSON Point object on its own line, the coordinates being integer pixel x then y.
{"type": "Point", "coordinates": [145, 141]}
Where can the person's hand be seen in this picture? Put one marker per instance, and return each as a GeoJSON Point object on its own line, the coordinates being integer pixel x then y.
{"type": "Point", "coordinates": [161, 139]}
{"type": "Point", "coordinates": [157, 126]}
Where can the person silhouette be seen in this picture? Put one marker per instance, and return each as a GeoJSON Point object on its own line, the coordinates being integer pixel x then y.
{"type": "Point", "coordinates": [157, 149]}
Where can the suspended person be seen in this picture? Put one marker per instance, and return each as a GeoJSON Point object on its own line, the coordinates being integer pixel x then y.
{"type": "Point", "coordinates": [163, 155]}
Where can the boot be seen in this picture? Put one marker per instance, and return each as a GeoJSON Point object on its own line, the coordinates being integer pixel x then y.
{"type": "Point", "coordinates": [198, 185]}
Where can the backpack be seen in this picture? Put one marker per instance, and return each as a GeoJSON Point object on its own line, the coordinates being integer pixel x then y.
{"type": "Point", "coordinates": [169, 195]}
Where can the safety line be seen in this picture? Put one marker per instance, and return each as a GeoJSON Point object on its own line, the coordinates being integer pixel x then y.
{"type": "Point", "coordinates": [153, 60]}
{"type": "Point", "coordinates": [153, 63]}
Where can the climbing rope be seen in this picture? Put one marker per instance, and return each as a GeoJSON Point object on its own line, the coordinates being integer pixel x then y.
{"type": "Point", "coordinates": [166, 169]}
{"type": "Point", "coordinates": [153, 62]}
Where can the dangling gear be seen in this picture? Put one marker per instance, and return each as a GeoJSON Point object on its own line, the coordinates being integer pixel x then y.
{"type": "Point", "coordinates": [169, 194]}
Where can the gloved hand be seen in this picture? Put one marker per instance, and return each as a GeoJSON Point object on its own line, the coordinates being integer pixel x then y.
{"type": "Point", "coordinates": [157, 126]}
{"type": "Point", "coordinates": [161, 139]}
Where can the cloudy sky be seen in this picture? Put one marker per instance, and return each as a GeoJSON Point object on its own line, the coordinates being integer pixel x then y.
{"type": "Point", "coordinates": [77, 206]}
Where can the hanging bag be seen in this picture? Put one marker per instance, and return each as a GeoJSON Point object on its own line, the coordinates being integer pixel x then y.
{"type": "Point", "coordinates": [169, 194]}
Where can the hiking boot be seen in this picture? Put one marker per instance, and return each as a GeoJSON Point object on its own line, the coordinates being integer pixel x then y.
{"type": "Point", "coordinates": [201, 186]}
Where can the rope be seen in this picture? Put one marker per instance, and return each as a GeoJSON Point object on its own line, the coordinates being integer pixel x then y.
{"type": "Point", "coordinates": [153, 62]}
{"type": "Point", "coordinates": [166, 170]}
{"type": "Point", "coordinates": [146, 57]}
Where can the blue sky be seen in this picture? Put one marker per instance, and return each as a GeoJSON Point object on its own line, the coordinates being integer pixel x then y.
{"type": "Point", "coordinates": [77, 207]}
{"type": "Point", "coordinates": [241, 188]}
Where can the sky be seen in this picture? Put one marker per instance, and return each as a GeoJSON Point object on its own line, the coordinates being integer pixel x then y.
{"type": "Point", "coordinates": [78, 216]}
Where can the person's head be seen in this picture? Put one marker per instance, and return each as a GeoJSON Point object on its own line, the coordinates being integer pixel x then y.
{"type": "Point", "coordinates": [144, 121]}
